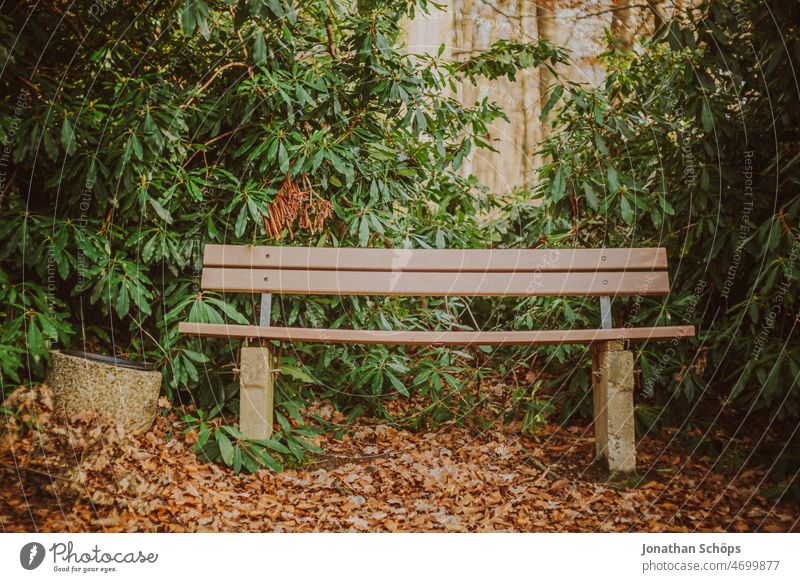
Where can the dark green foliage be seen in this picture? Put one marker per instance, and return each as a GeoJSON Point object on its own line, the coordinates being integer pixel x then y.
{"type": "Point", "coordinates": [140, 131]}
{"type": "Point", "coordinates": [227, 444]}
{"type": "Point", "coordinates": [134, 137]}
{"type": "Point", "coordinates": [693, 144]}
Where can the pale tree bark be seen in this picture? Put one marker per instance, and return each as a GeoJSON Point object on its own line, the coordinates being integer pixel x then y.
{"type": "Point", "coordinates": [467, 27]}
{"type": "Point", "coordinates": [657, 8]}
{"type": "Point", "coordinates": [531, 105]}
{"type": "Point", "coordinates": [478, 25]}
{"type": "Point", "coordinates": [548, 31]}
{"type": "Point", "coordinates": [623, 22]}
{"type": "Point", "coordinates": [426, 33]}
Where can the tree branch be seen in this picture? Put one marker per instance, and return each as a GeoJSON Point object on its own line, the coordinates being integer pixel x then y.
{"type": "Point", "coordinates": [211, 80]}
{"type": "Point", "coordinates": [657, 13]}
{"type": "Point", "coordinates": [611, 10]}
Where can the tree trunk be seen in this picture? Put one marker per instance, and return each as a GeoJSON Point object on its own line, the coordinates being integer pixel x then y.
{"type": "Point", "coordinates": [623, 24]}
{"type": "Point", "coordinates": [548, 31]}
{"type": "Point", "coordinates": [467, 27]}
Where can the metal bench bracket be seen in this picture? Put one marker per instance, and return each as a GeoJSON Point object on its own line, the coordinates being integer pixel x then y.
{"type": "Point", "coordinates": [266, 310]}
{"type": "Point", "coordinates": [605, 312]}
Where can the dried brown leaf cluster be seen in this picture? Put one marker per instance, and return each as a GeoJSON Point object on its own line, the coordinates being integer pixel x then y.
{"type": "Point", "coordinates": [84, 478]}
{"type": "Point", "coordinates": [296, 201]}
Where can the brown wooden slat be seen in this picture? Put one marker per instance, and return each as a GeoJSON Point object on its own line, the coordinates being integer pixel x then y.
{"type": "Point", "coordinates": [438, 260]}
{"type": "Point", "coordinates": [439, 284]}
{"type": "Point", "coordinates": [496, 338]}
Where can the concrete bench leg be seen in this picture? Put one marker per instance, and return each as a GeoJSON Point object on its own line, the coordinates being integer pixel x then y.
{"type": "Point", "coordinates": [256, 393]}
{"type": "Point", "coordinates": [612, 384]}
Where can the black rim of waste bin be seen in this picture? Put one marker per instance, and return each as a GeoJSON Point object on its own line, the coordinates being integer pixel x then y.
{"type": "Point", "coordinates": [113, 360]}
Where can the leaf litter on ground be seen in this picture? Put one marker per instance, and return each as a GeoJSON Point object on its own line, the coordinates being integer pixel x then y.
{"type": "Point", "coordinates": [84, 476]}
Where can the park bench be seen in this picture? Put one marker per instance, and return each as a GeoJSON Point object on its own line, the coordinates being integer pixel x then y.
{"type": "Point", "coordinates": [603, 273]}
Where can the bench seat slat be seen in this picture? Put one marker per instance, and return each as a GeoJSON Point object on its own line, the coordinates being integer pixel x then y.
{"type": "Point", "coordinates": [438, 260]}
{"type": "Point", "coordinates": [434, 284]}
{"type": "Point", "coordinates": [568, 336]}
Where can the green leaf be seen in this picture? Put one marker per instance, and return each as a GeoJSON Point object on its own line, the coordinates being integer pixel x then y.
{"type": "Point", "coordinates": [50, 146]}
{"type": "Point", "coordinates": [225, 448]}
{"type": "Point", "coordinates": [421, 122]}
{"type": "Point", "coordinates": [363, 231]}
{"type": "Point", "coordinates": [268, 460]}
{"type": "Point", "coordinates": [398, 385]}
{"type": "Point", "coordinates": [228, 310]}
{"type": "Point", "coordinates": [122, 304]}
{"type": "Point", "coordinates": [237, 460]}
{"type": "Point", "coordinates": [162, 212]}
{"type": "Point", "coordinates": [666, 206]}
{"type": "Point", "coordinates": [558, 188]}
{"type": "Point", "coordinates": [272, 444]}
{"type": "Point", "coordinates": [706, 117]}
{"type": "Point", "coordinates": [297, 373]}
{"type": "Point", "coordinates": [198, 357]}
{"type": "Point", "coordinates": [283, 158]}
{"type": "Point", "coordinates": [67, 137]}
{"type": "Point", "coordinates": [625, 210]}
{"type": "Point", "coordinates": [337, 163]}
{"type": "Point", "coordinates": [613, 180]}
{"type": "Point", "coordinates": [296, 449]}
{"type": "Point", "coordinates": [555, 95]}
{"type": "Point", "coordinates": [440, 241]}
{"type": "Point", "coordinates": [136, 146]}
{"type": "Point", "coordinates": [200, 16]}
{"type": "Point", "coordinates": [188, 18]}
{"type": "Point", "coordinates": [241, 222]}
{"type": "Point", "coordinates": [259, 48]}
{"type": "Point", "coordinates": [304, 443]}
{"type": "Point", "coordinates": [91, 173]}
{"type": "Point", "coordinates": [591, 197]}
{"type": "Point", "coordinates": [35, 343]}
{"type": "Point", "coordinates": [601, 144]}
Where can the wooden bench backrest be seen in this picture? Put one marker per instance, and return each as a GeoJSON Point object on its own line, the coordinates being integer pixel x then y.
{"type": "Point", "coordinates": [434, 272]}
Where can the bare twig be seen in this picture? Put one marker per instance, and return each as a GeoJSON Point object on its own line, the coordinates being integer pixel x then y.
{"type": "Point", "coordinates": [211, 80]}
{"type": "Point", "coordinates": [546, 471]}
{"type": "Point", "coordinates": [612, 9]}
{"type": "Point", "coordinates": [329, 32]}
{"type": "Point", "coordinates": [16, 470]}
{"type": "Point", "coordinates": [657, 13]}
{"type": "Point", "coordinates": [331, 43]}
{"type": "Point", "coordinates": [212, 140]}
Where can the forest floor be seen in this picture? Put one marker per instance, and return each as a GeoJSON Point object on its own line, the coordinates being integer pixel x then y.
{"type": "Point", "coordinates": [376, 479]}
